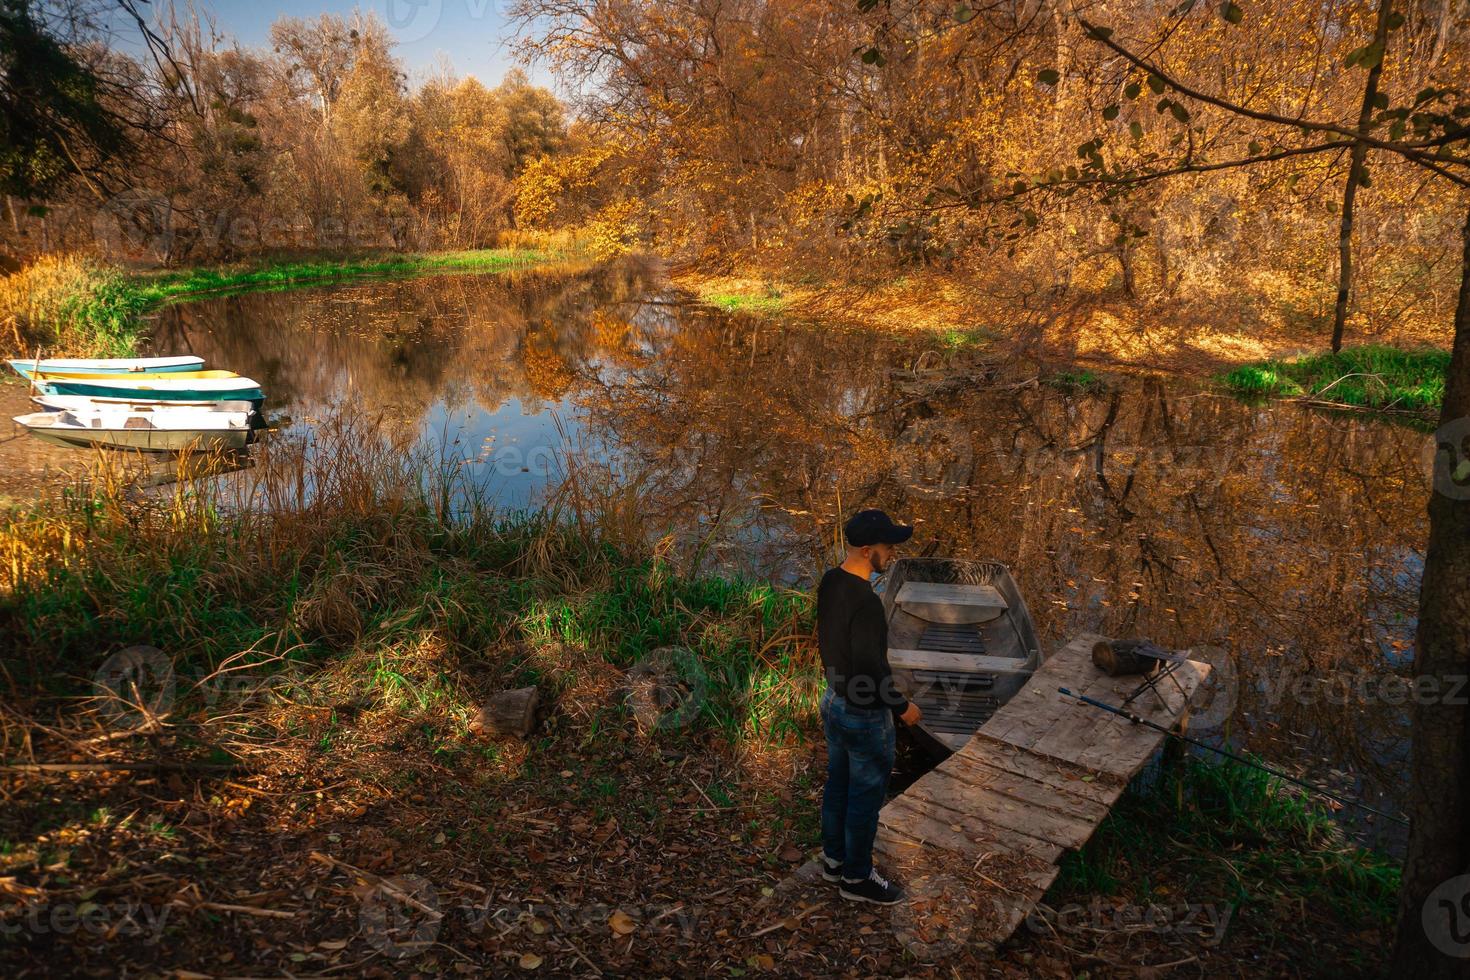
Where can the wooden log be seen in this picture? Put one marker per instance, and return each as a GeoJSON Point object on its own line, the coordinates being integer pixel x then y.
{"type": "Point", "coordinates": [1119, 657]}
{"type": "Point", "coordinates": [508, 713]}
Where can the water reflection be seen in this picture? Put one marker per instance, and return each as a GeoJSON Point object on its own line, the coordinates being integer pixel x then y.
{"type": "Point", "coordinates": [1289, 538]}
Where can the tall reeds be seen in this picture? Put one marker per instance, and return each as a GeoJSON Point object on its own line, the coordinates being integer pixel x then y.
{"type": "Point", "coordinates": [347, 549]}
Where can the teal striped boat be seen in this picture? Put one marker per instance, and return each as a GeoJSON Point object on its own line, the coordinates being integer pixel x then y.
{"type": "Point", "coordinates": [157, 389]}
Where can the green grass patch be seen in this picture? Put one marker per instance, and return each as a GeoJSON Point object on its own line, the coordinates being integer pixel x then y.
{"type": "Point", "coordinates": [1236, 837]}
{"type": "Point", "coordinates": [771, 303]}
{"type": "Point", "coordinates": [1366, 377]}
{"type": "Point", "coordinates": [964, 338]}
{"type": "Point", "coordinates": [381, 593]}
{"type": "Point", "coordinates": [77, 306]}
{"type": "Point", "coordinates": [1073, 382]}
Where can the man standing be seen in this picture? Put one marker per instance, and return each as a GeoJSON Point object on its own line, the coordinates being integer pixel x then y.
{"type": "Point", "coordinates": [858, 707]}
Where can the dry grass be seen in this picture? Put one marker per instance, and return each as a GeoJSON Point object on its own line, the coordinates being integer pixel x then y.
{"type": "Point", "coordinates": [354, 552]}
{"type": "Point", "coordinates": [66, 304]}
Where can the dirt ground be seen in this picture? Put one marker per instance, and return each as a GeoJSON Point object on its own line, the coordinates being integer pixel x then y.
{"type": "Point", "coordinates": [27, 464]}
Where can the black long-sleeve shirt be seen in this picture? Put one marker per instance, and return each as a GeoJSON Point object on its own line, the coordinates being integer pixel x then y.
{"type": "Point", "coordinates": [852, 636]}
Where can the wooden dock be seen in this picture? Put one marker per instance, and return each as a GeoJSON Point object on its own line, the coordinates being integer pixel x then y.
{"type": "Point", "coordinates": [982, 833]}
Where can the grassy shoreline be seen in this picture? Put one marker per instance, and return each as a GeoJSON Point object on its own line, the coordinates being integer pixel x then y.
{"type": "Point", "coordinates": [1374, 377]}
{"type": "Point", "coordinates": [332, 648]}
{"type": "Point", "coordinates": [78, 306]}
{"type": "Point", "coordinates": [1405, 375]}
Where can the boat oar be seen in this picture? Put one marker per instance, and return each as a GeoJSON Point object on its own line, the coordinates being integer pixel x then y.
{"type": "Point", "coordinates": [1135, 719]}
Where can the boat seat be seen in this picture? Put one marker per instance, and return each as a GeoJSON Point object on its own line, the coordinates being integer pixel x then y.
{"type": "Point", "coordinates": [942, 602]}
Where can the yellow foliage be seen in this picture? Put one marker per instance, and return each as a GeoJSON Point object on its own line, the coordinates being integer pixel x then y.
{"type": "Point", "coordinates": [615, 229]}
{"type": "Point", "coordinates": [550, 183]}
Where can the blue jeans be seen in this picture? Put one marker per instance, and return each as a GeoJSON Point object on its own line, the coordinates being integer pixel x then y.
{"type": "Point", "coordinates": [860, 743]}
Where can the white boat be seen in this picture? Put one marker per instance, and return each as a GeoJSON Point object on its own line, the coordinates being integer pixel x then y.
{"type": "Point", "coordinates": [86, 403]}
{"type": "Point", "coordinates": [105, 365]}
{"type": "Point", "coordinates": [161, 430]}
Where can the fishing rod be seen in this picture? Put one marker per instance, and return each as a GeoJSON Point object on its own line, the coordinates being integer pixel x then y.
{"type": "Point", "coordinates": [1135, 719]}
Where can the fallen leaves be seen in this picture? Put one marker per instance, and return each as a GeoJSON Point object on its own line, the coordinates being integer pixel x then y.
{"type": "Point", "coordinates": [622, 923]}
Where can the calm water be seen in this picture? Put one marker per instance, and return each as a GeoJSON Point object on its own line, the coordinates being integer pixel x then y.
{"type": "Point", "coordinates": [1287, 541]}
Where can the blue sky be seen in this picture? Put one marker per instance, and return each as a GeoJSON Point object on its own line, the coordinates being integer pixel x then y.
{"type": "Point", "coordinates": [474, 35]}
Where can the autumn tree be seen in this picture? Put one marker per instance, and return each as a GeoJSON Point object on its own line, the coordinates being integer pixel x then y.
{"type": "Point", "coordinates": [1429, 130]}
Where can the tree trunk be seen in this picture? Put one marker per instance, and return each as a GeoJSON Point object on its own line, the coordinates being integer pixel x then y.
{"type": "Point", "coordinates": [1124, 253]}
{"type": "Point", "coordinates": [1355, 177]}
{"type": "Point", "coordinates": [1434, 909]}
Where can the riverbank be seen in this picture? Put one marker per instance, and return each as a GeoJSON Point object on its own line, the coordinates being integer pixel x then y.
{"type": "Point", "coordinates": [1378, 378]}
{"type": "Point", "coordinates": [77, 306]}
{"type": "Point", "coordinates": [27, 465]}
{"type": "Point", "coordinates": [1396, 367]}
{"type": "Point", "coordinates": [321, 660]}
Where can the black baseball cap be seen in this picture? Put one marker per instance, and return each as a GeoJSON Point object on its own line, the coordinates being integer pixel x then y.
{"type": "Point", "coordinates": [874, 527]}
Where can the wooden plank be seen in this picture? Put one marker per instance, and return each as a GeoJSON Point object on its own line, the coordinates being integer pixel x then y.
{"type": "Point", "coordinates": [1037, 707]}
{"type": "Point", "coordinates": [1034, 792]}
{"type": "Point", "coordinates": [900, 658]}
{"type": "Point", "coordinates": [1107, 741]}
{"type": "Point", "coordinates": [1064, 729]}
{"type": "Point", "coordinates": [1128, 747]}
{"type": "Point", "coordinates": [1034, 782]}
{"type": "Point", "coordinates": [974, 835]}
{"type": "Point", "coordinates": [995, 809]}
{"type": "Point", "coordinates": [939, 602]}
{"type": "Point", "coordinates": [983, 752]}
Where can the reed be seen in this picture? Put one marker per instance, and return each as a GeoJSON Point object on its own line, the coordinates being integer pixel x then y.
{"type": "Point", "coordinates": [353, 554]}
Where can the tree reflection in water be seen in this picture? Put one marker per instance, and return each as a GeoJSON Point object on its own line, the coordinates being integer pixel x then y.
{"type": "Point", "coordinates": [1290, 538]}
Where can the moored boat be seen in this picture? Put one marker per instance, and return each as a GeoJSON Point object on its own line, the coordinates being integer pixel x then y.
{"type": "Point", "coordinates": [961, 643]}
{"type": "Point", "coordinates": [163, 430]}
{"type": "Point", "coordinates": [156, 389]}
{"type": "Point", "coordinates": [214, 374]}
{"type": "Point", "coordinates": [72, 403]}
{"type": "Point", "coordinates": [105, 365]}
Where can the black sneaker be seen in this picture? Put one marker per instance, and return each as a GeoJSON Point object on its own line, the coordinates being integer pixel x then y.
{"type": "Point", "coordinates": [876, 889]}
{"type": "Point", "coordinates": [831, 870]}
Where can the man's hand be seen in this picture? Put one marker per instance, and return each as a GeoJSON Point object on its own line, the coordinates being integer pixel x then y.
{"type": "Point", "coordinates": [911, 715]}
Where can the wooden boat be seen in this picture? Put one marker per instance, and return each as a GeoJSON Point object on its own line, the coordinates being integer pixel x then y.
{"type": "Point", "coordinates": [106, 365]}
{"type": "Point", "coordinates": [84, 403]}
{"type": "Point", "coordinates": [163, 430]}
{"type": "Point", "coordinates": [156, 389]}
{"type": "Point", "coordinates": [960, 641]}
